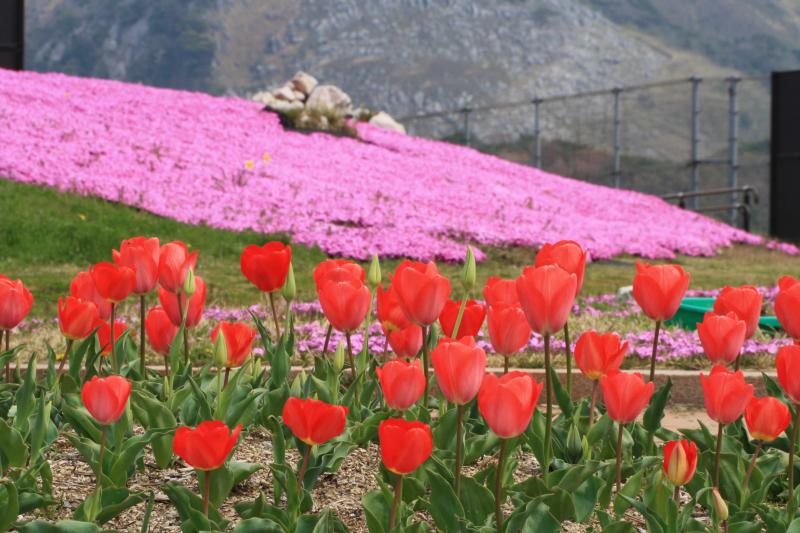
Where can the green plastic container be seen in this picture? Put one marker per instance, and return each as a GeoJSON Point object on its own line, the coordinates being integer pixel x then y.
{"type": "Point", "coordinates": [692, 311]}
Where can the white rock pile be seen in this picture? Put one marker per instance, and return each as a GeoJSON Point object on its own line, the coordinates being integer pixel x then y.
{"type": "Point", "coordinates": [303, 93]}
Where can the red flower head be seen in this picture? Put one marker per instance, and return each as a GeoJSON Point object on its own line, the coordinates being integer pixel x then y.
{"type": "Point", "coordinates": [787, 306]}
{"type": "Point", "coordinates": [15, 303]}
{"type": "Point", "coordinates": [680, 461]}
{"type": "Point", "coordinates": [459, 367]}
{"type": "Point", "coordinates": [421, 291]}
{"type": "Point", "coordinates": [725, 394]}
{"type": "Point", "coordinates": [238, 339]}
{"type": "Point", "coordinates": [314, 421]}
{"type": "Point", "coordinates": [507, 402]}
{"type": "Point", "coordinates": [722, 336]}
{"type": "Point", "coordinates": [788, 364]}
{"type": "Point", "coordinates": [546, 294]}
{"type": "Point", "coordinates": [508, 327]}
{"type": "Point", "coordinates": [390, 314]}
{"type": "Point", "coordinates": [104, 334]}
{"type": "Point", "coordinates": [404, 445]}
{"type": "Point", "coordinates": [345, 303]}
{"type": "Point", "coordinates": [169, 301]}
{"type": "Point", "coordinates": [406, 342]}
{"type": "Point", "coordinates": [266, 266]}
{"type": "Point", "coordinates": [568, 255]}
{"type": "Point", "coordinates": [338, 270]}
{"type": "Point", "coordinates": [471, 321]}
{"type": "Point", "coordinates": [160, 330]}
{"type": "Point", "coordinates": [598, 355]}
{"type": "Point", "coordinates": [142, 255]}
{"type": "Point", "coordinates": [745, 301]}
{"type": "Point", "coordinates": [402, 383]}
{"type": "Point", "coordinates": [766, 418]}
{"type": "Point", "coordinates": [207, 446]}
{"type": "Point", "coordinates": [83, 288]}
{"type": "Point", "coordinates": [106, 398]}
{"type": "Point", "coordinates": [114, 283]}
{"type": "Point", "coordinates": [76, 318]}
{"type": "Point", "coordinates": [174, 262]}
{"type": "Point", "coordinates": [659, 289]}
{"type": "Point", "coordinates": [499, 291]}
{"type": "Point", "coordinates": [625, 395]}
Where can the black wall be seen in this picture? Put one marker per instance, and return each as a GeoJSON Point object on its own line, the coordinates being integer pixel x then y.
{"type": "Point", "coordinates": [785, 156]}
{"type": "Point", "coordinates": [12, 34]}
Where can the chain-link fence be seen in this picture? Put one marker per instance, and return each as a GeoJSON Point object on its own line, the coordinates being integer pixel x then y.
{"type": "Point", "coordinates": [695, 134]}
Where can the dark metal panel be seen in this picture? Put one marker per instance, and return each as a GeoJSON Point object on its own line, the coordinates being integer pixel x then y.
{"type": "Point", "coordinates": [785, 156]}
{"type": "Point", "coordinates": [12, 34]}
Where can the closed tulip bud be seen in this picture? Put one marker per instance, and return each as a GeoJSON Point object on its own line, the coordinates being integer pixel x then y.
{"type": "Point", "coordinates": [574, 446]}
{"type": "Point", "coordinates": [726, 394]}
{"type": "Point", "coordinates": [374, 273]}
{"type": "Point", "coordinates": [788, 365]}
{"type": "Point", "coordinates": [338, 358]}
{"type": "Point", "coordinates": [767, 418]}
{"type": "Point", "coordinates": [787, 306]}
{"type": "Point", "coordinates": [290, 287]}
{"type": "Point", "coordinates": [468, 273]}
{"type": "Point", "coordinates": [625, 395]}
{"type": "Point", "coordinates": [220, 350]}
{"type": "Point", "coordinates": [314, 421]}
{"type": "Point", "coordinates": [720, 506]}
{"type": "Point", "coordinates": [207, 446]}
{"type": "Point", "coordinates": [189, 284]}
{"type": "Point", "coordinates": [680, 461]}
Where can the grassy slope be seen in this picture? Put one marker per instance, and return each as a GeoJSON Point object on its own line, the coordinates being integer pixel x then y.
{"type": "Point", "coordinates": [47, 236]}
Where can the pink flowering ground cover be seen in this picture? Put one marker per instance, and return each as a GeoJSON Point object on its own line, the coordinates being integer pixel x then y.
{"type": "Point", "coordinates": [223, 162]}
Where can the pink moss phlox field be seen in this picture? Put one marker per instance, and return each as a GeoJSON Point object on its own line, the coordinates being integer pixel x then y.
{"type": "Point", "coordinates": [201, 159]}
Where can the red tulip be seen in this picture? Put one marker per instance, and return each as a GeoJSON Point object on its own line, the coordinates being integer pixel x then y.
{"type": "Point", "coordinates": [238, 339]}
{"type": "Point", "coordinates": [15, 303]}
{"type": "Point", "coordinates": [499, 291]}
{"type": "Point", "coordinates": [788, 364]}
{"type": "Point", "coordinates": [507, 402]}
{"type": "Point", "coordinates": [402, 383]}
{"type": "Point", "coordinates": [404, 445]}
{"type": "Point", "coordinates": [160, 330]}
{"type": "Point", "coordinates": [83, 288]}
{"type": "Point", "coordinates": [568, 255]}
{"type": "Point", "coordinates": [338, 269]}
{"type": "Point", "coordinates": [745, 301]}
{"type": "Point", "coordinates": [509, 330]}
{"type": "Point", "coordinates": [76, 318]}
{"type": "Point", "coordinates": [390, 314]}
{"type": "Point", "coordinates": [314, 421]}
{"type": "Point", "coordinates": [406, 342]}
{"type": "Point", "coordinates": [459, 367]}
{"type": "Point", "coordinates": [471, 321]}
{"type": "Point", "coordinates": [421, 291]}
{"type": "Point", "coordinates": [546, 294]}
{"type": "Point", "coordinates": [787, 306]}
{"type": "Point", "coordinates": [104, 334]}
{"type": "Point", "coordinates": [207, 446]}
{"type": "Point", "coordinates": [625, 395]}
{"type": "Point", "coordinates": [680, 461]}
{"type": "Point", "coordinates": [766, 418]}
{"type": "Point", "coordinates": [598, 355]}
{"type": "Point", "coordinates": [114, 283]}
{"type": "Point", "coordinates": [142, 255]}
{"type": "Point", "coordinates": [722, 336]}
{"type": "Point", "coordinates": [169, 301]}
{"type": "Point", "coordinates": [266, 266]}
{"type": "Point", "coordinates": [106, 398]}
{"type": "Point", "coordinates": [174, 262]}
{"type": "Point", "coordinates": [345, 303]}
{"type": "Point", "coordinates": [659, 289]}
{"type": "Point", "coordinates": [725, 394]}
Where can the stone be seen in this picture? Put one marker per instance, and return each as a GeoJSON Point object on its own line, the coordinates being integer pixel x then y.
{"type": "Point", "coordinates": [303, 82]}
{"type": "Point", "coordinates": [282, 106]}
{"type": "Point", "coordinates": [624, 294]}
{"type": "Point", "coordinates": [298, 95]}
{"type": "Point", "coordinates": [263, 97]}
{"type": "Point", "coordinates": [284, 93]}
{"type": "Point", "coordinates": [385, 121]}
{"type": "Point", "coordinates": [329, 97]}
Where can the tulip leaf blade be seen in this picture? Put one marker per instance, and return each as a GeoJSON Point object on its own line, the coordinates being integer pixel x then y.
{"type": "Point", "coordinates": [445, 506]}
{"type": "Point", "coordinates": [655, 411]}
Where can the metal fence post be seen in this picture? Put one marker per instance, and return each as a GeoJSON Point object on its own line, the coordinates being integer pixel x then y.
{"type": "Point", "coordinates": [616, 170]}
{"type": "Point", "coordinates": [537, 134]}
{"type": "Point", "coordinates": [466, 112]}
{"type": "Point", "coordinates": [733, 141]}
{"type": "Point", "coordinates": [695, 137]}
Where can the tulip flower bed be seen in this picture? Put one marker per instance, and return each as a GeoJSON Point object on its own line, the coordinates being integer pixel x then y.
{"type": "Point", "coordinates": [224, 163]}
{"type": "Point", "coordinates": [396, 424]}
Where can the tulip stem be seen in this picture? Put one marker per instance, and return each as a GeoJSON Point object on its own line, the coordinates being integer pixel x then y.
{"type": "Point", "coordinates": [459, 437]}
{"type": "Point", "coordinates": [142, 364]}
{"type": "Point", "coordinates": [751, 466]}
{"type": "Point", "coordinates": [66, 356]}
{"type": "Point", "coordinates": [592, 406]}
{"type": "Point", "coordinates": [426, 364]}
{"type": "Point", "coordinates": [676, 495]}
{"type": "Point", "coordinates": [505, 364]}
{"type": "Point", "coordinates": [100, 457]}
{"type": "Point", "coordinates": [301, 474]}
{"type": "Point", "coordinates": [275, 316]}
{"type": "Point", "coordinates": [113, 347]}
{"type": "Point", "coordinates": [720, 433]}
{"type": "Point", "coordinates": [206, 490]}
{"type": "Point", "coordinates": [655, 350]}
{"type": "Point", "coordinates": [792, 451]}
{"type": "Point", "coordinates": [498, 486]}
{"type": "Point", "coordinates": [619, 457]}
{"type": "Point", "coordinates": [8, 363]}
{"type": "Point", "coordinates": [327, 339]}
{"type": "Point", "coordinates": [568, 355]}
{"type": "Point", "coordinates": [548, 422]}
{"type": "Point", "coordinates": [350, 356]}
{"type": "Point", "coordinates": [398, 496]}
{"type": "Point", "coordinates": [386, 348]}
{"type": "Point", "coordinates": [227, 375]}
{"type": "Point", "coordinates": [183, 312]}
{"type": "Point", "coordinates": [459, 317]}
